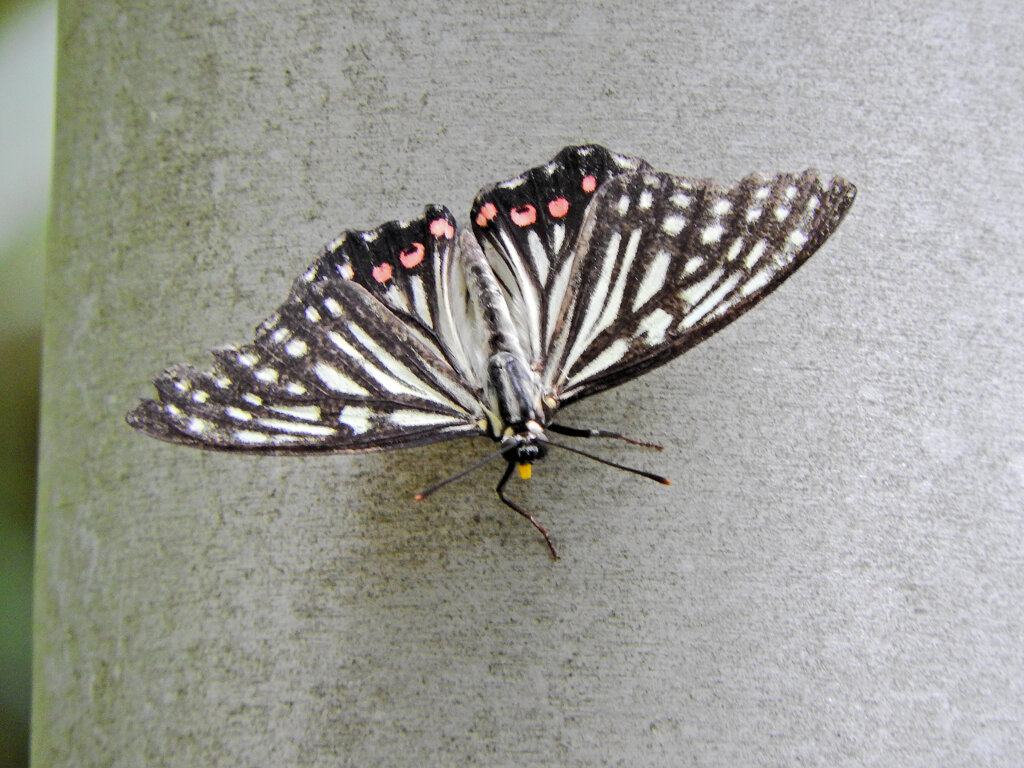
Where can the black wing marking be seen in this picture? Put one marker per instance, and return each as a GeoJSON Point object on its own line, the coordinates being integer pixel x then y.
{"type": "Point", "coordinates": [528, 226]}
{"type": "Point", "coordinates": [662, 262]}
{"type": "Point", "coordinates": [350, 362]}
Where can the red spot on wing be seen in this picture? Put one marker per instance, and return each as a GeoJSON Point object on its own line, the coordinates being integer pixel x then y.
{"type": "Point", "coordinates": [442, 228]}
{"type": "Point", "coordinates": [589, 183]}
{"type": "Point", "coordinates": [382, 273]}
{"type": "Point", "coordinates": [412, 255]}
{"type": "Point", "coordinates": [487, 212]}
{"type": "Point", "coordinates": [524, 215]}
{"type": "Point", "coordinates": [558, 207]}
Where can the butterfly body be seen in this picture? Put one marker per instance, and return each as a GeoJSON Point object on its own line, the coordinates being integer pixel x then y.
{"type": "Point", "coordinates": [576, 276]}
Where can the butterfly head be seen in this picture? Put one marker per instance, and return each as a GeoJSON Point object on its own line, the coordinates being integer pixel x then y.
{"type": "Point", "coordinates": [524, 447]}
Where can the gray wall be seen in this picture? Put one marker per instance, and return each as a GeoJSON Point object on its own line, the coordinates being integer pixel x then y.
{"type": "Point", "coordinates": [835, 576]}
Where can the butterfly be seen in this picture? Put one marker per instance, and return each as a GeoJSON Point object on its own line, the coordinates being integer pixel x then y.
{"type": "Point", "coordinates": [576, 276]}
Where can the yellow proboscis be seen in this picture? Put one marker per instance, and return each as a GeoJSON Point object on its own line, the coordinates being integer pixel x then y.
{"type": "Point", "coordinates": [525, 471]}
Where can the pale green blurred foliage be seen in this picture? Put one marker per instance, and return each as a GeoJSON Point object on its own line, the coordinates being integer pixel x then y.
{"type": "Point", "coordinates": [27, 49]}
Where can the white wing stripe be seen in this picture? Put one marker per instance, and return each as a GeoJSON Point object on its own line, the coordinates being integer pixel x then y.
{"type": "Point", "coordinates": [609, 356]}
{"type": "Point", "coordinates": [337, 381]}
{"type": "Point", "coordinates": [611, 308]}
{"type": "Point", "coordinates": [653, 279]}
{"type": "Point", "coordinates": [596, 302]}
{"type": "Point", "coordinates": [398, 368]}
{"type": "Point", "coordinates": [692, 294]}
{"type": "Point", "coordinates": [710, 301]}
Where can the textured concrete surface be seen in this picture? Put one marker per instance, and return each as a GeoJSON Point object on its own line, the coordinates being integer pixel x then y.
{"type": "Point", "coordinates": [835, 578]}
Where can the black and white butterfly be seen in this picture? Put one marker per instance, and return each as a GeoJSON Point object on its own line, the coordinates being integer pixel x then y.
{"type": "Point", "coordinates": [577, 276]}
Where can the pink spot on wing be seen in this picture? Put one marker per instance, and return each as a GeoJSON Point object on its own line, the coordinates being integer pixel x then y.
{"type": "Point", "coordinates": [558, 207]}
{"type": "Point", "coordinates": [382, 273]}
{"type": "Point", "coordinates": [412, 255]}
{"type": "Point", "coordinates": [487, 212]}
{"type": "Point", "coordinates": [524, 215]}
{"type": "Point", "coordinates": [442, 228]}
{"type": "Point", "coordinates": [589, 183]}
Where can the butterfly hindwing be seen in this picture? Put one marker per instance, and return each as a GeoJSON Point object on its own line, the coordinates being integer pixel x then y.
{"type": "Point", "coordinates": [662, 262]}
{"type": "Point", "coordinates": [348, 362]}
{"type": "Point", "coordinates": [529, 225]}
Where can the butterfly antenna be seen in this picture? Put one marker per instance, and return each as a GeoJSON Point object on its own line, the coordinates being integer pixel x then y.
{"type": "Point", "coordinates": [457, 476]}
{"type": "Point", "coordinates": [524, 512]}
{"type": "Point", "coordinates": [634, 470]}
{"type": "Point", "coordinates": [577, 432]}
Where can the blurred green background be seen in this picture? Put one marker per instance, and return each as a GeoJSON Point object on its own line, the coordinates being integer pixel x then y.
{"type": "Point", "coordinates": [28, 33]}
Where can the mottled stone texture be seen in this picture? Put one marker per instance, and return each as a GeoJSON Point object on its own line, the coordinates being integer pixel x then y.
{"type": "Point", "coordinates": [834, 579]}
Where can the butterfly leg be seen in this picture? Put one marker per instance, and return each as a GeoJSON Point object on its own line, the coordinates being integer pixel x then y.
{"type": "Point", "coordinates": [512, 505]}
{"type": "Point", "coordinates": [561, 429]}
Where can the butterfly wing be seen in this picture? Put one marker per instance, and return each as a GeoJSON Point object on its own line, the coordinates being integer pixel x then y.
{"type": "Point", "coordinates": [528, 227]}
{"type": "Point", "coordinates": [662, 262]}
{"type": "Point", "coordinates": [368, 352]}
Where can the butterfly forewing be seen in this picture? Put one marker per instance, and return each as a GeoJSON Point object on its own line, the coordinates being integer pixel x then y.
{"type": "Point", "coordinates": [663, 261]}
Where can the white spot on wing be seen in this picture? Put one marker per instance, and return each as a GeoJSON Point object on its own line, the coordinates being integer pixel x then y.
{"type": "Point", "coordinates": [295, 388]}
{"type": "Point", "coordinates": [296, 348]}
{"type": "Point", "coordinates": [356, 418]}
{"type": "Point", "coordinates": [623, 205]}
{"type": "Point", "coordinates": [249, 437]}
{"type": "Point", "coordinates": [312, 315]}
{"type": "Point", "coordinates": [721, 207]}
{"type": "Point", "coordinates": [248, 359]}
{"type": "Point", "coordinates": [712, 233]}
{"type": "Point", "coordinates": [197, 426]}
{"type": "Point", "coordinates": [252, 399]}
{"type": "Point", "coordinates": [797, 238]}
{"type": "Point", "coordinates": [267, 375]}
{"type": "Point", "coordinates": [518, 181]}
{"type": "Point", "coordinates": [646, 200]}
{"type": "Point", "coordinates": [653, 327]}
{"type": "Point", "coordinates": [332, 306]}
{"type": "Point", "coordinates": [237, 413]}
{"type": "Point", "coordinates": [673, 225]}
{"type": "Point", "coordinates": [681, 200]}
